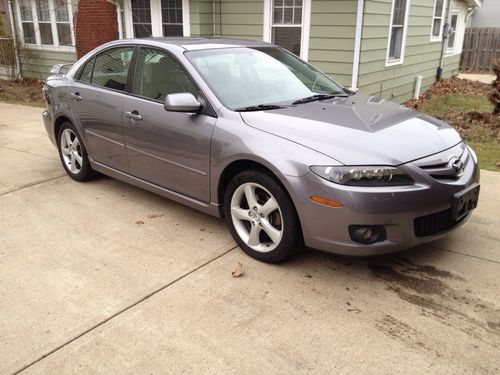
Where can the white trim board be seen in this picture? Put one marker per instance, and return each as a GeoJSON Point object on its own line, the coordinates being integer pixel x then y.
{"type": "Point", "coordinates": [306, 26]}
{"type": "Point", "coordinates": [357, 45]}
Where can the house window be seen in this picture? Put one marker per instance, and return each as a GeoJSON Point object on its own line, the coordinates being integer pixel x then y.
{"type": "Point", "coordinates": [27, 24]}
{"type": "Point", "coordinates": [141, 17]}
{"type": "Point", "coordinates": [44, 26]}
{"type": "Point", "coordinates": [437, 20]}
{"type": "Point", "coordinates": [171, 14]}
{"type": "Point", "coordinates": [45, 22]}
{"type": "Point", "coordinates": [63, 22]}
{"type": "Point", "coordinates": [450, 48]}
{"type": "Point", "coordinates": [286, 27]}
{"type": "Point", "coordinates": [397, 32]}
{"type": "Point", "coordinates": [145, 18]}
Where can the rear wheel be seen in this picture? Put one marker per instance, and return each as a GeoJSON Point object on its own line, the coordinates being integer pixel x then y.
{"type": "Point", "coordinates": [73, 154]}
{"type": "Point", "coordinates": [262, 217]}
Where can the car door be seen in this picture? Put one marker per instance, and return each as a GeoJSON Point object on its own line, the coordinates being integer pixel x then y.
{"type": "Point", "coordinates": [96, 100]}
{"type": "Point", "coordinates": [169, 149]}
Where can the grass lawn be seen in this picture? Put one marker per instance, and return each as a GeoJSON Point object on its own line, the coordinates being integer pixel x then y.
{"type": "Point", "coordinates": [464, 105]}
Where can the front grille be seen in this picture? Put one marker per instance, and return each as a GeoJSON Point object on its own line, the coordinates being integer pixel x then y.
{"type": "Point", "coordinates": [434, 223]}
{"type": "Point", "coordinates": [444, 171]}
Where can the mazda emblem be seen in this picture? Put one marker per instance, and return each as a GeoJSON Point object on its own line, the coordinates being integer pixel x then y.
{"type": "Point", "coordinates": [457, 166]}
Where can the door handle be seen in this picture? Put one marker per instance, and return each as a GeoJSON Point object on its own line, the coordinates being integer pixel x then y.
{"type": "Point", "coordinates": [76, 96]}
{"type": "Point", "coordinates": [134, 115]}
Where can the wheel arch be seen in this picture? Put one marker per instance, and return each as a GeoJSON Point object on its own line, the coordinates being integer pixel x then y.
{"type": "Point", "coordinates": [61, 119]}
{"type": "Point", "coordinates": [237, 166]}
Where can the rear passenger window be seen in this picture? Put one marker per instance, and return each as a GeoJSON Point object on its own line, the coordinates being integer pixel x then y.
{"type": "Point", "coordinates": [86, 75]}
{"type": "Point", "coordinates": [158, 74]}
{"type": "Point", "coordinates": [111, 68]}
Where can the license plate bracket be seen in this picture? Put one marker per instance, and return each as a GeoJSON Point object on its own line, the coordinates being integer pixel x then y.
{"type": "Point", "coordinates": [465, 201]}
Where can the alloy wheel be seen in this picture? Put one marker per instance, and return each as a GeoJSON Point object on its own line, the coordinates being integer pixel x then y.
{"type": "Point", "coordinates": [71, 151]}
{"type": "Point", "coordinates": [257, 217]}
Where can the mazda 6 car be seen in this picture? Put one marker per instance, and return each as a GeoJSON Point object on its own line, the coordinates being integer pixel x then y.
{"type": "Point", "coordinates": [249, 132]}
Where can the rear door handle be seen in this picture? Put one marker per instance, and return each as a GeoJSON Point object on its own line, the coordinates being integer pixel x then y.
{"type": "Point", "coordinates": [134, 115]}
{"type": "Point", "coordinates": [76, 96]}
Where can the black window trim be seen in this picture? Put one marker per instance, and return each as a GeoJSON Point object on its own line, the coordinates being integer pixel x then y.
{"type": "Point", "coordinates": [126, 91]}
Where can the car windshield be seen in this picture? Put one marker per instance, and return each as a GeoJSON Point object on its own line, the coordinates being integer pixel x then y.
{"type": "Point", "coordinates": [253, 77]}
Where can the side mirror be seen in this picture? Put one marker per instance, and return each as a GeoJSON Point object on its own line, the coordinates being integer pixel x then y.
{"type": "Point", "coordinates": [182, 102]}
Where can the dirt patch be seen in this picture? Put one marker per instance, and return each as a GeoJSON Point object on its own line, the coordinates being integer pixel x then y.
{"type": "Point", "coordinates": [26, 91]}
{"type": "Point", "coordinates": [408, 266]}
{"type": "Point", "coordinates": [426, 287]}
{"type": "Point", "coordinates": [422, 285]}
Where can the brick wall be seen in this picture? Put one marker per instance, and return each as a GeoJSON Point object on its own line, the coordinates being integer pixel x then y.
{"type": "Point", "coordinates": [95, 24]}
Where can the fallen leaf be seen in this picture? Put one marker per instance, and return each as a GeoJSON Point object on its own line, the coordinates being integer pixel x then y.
{"type": "Point", "coordinates": [139, 222]}
{"type": "Point", "coordinates": [238, 270]}
{"type": "Point", "coordinates": [154, 216]}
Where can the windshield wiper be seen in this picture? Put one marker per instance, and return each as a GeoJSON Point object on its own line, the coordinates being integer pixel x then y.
{"type": "Point", "coordinates": [259, 107]}
{"type": "Point", "coordinates": [316, 97]}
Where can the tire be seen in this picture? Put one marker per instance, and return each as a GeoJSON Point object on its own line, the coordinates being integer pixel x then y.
{"type": "Point", "coordinates": [73, 154]}
{"type": "Point", "coordinates": [261, 217]}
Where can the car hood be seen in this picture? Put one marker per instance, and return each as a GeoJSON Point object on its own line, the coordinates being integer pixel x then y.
{"type": "Point", "coordinates": [358, 130]}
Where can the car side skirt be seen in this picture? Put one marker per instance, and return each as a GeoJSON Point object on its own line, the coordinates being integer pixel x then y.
{"type": "Point", "coordinates": [208, 208]}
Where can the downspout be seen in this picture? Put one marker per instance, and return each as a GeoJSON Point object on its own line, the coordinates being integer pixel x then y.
{"type": "Point", "coordinates": [213, 18]}
{"type": "Point", "coordinates": [439, 72]}
{"type": "Point", "coordinates": [118, 17]}
{"type": "Point", "coordinates": [14, 39]}
{"type": "Point", "coordinates": [357, 45]}
{"type": "Point", "coordinates": [470, 12]}
{"type": "Point", "coordinates": [119, 20]}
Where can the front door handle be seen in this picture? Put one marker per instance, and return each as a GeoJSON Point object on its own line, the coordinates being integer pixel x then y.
{"type": "Point", "coordinates": [134, 115]}
{"type": "Point", "coordinates": [76, 96]}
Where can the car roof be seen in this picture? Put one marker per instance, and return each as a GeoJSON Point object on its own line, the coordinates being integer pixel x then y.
{"type": "Point", "coordinates": [199, 43]}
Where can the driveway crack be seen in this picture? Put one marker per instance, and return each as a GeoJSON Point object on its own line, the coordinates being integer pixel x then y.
{"type": "Point", "coordinates": [119, 312]}
{"type": "Point", "coordinates": [28, 152]}
{"type": "Point", "coordinates": [38, 182]}
{"type": "Point", "coordinates": [464, 254]}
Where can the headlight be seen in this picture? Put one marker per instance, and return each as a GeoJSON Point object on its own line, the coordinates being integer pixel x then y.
{"type": "Point", "coordinates": [363, 176]}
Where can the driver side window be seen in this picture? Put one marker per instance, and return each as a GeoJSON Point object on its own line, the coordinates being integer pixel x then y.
{"type": "Point", "coordinates": [158, 74]}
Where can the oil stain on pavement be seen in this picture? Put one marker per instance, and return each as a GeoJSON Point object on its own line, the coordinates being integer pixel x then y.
{"type": "Point", "coordinates": [426, 287]}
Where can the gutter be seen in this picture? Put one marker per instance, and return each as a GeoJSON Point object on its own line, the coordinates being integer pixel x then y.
{"type": "Point", "coordinates": [14, 39]}
{"type": "Point", "coordinates": [357, 45]}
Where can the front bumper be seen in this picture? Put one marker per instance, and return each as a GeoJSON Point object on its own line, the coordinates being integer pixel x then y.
{"type": "Point", "coordinates": [396, 208]}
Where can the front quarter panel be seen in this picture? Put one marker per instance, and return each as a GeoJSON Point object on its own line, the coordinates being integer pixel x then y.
{"type": "Point", "coordinates": [233, 140]}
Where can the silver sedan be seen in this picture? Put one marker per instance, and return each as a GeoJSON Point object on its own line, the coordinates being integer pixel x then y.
{"type": "Point", "coordinates": [249, 132]}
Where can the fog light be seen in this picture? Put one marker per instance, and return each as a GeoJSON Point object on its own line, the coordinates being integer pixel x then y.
{"type": "Point", "coordinates": [367, 234]}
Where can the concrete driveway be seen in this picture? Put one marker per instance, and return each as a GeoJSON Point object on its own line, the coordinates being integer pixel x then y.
{"type": "Point", "coordinates": [86, 288]}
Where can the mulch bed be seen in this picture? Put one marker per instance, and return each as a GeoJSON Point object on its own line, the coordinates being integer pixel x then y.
{"type": "Point", "coordinates": [27, 91]}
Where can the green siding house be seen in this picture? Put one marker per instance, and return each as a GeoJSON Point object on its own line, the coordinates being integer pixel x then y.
{"type": "Point", "coordinates": [387, 48]}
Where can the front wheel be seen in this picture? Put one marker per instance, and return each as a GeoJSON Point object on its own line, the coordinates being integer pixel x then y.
{"type": "Point", "coordinates": [261, 217]}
